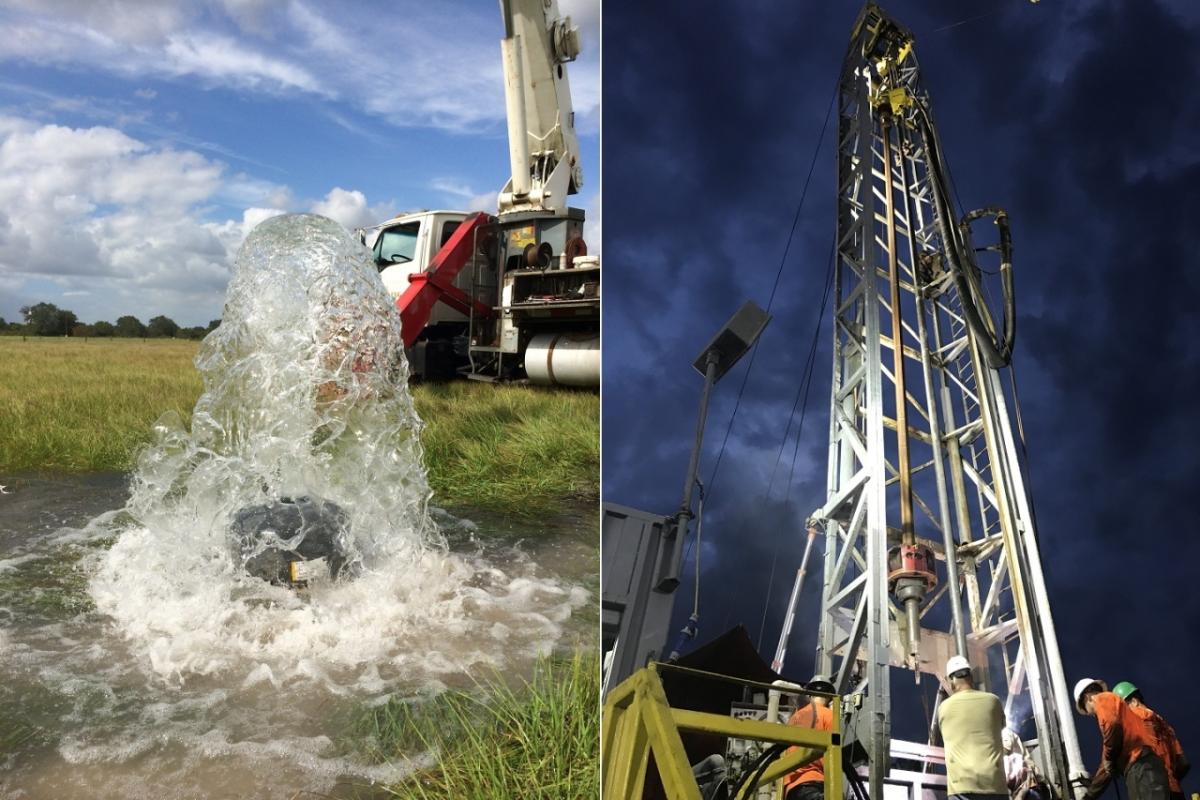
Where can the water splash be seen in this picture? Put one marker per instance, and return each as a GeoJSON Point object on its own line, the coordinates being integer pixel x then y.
{"type": "Point", "coordinates": [305, 394]}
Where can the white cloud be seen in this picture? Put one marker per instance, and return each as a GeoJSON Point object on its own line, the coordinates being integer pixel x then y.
{"type": "Point", "coordinates": [452, 187]}
{"type": "Point", "coordinates": [253, 16]}
{"type": "Point", "coordinates": [591, 228]}
{"type": "Point", "coordinates": [420, 82]}
{"type": "Point", "coordinates": [145, 94]}
{"type": "Point", "coordinates": [350, 208]}
{"type": "Point", "coordinates": [214, 58]}
{"type": "Point", "coordinates": [252, 216]}
{"type": "Point", "coordinates": [116, 113]}
{"type": "Point", "coordinates": [89, 201]}
{"type": "Point", "coordinates": [584, 74]}
{"type": "Point", "coordinates": [422, 67]}
{"type": "Point", "coordinates": [42, 104]}
{"type": "Point", "coordinates": [245, 190]}
{"type": "Point", "coordinates": [127, 21]}
{"type": "Point", "coordinates": [123, 226]}
{"type": "Point", "coordinates": [463, 197]}
{"type": "Point", "coordinates": [583, 13]}
{"type": "Point", "coordinates": [225, 61]}
{"type": "Point", "coordinates": [484, 201]}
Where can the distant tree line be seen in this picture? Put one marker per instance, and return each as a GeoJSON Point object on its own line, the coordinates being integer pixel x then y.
{"type": "Point", "coordinates": [47, 319]}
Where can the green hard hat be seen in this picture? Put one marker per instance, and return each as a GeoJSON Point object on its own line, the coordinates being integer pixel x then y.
{"type": "Point", "coordinates": [1124, 689]}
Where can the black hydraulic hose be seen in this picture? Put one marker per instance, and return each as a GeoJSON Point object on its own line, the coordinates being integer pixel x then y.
{"type": "Point", "coordinates": [856, 788]}
{"type": "Point", "coordinates": [997, 350]}
{"type": "Point", "coordinates": [1000, 217]}
{"type": "Point", "coordinates": [756, 770]}
{"type": "Point", "coordinates": [962, 264]}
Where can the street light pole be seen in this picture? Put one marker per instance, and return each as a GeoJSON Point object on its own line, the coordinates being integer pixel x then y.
{"type": "Point", "coordinates": [712, 361]}
{"type": "Point", "coordinates": [643, 552]}
{"type": "Point", "coordinates": [731, 342]}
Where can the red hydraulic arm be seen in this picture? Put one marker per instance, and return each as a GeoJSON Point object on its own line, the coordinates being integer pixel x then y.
{"type": "Point", "coordinates": [437, 282]}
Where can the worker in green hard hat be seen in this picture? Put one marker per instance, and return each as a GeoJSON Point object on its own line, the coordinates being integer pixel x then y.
{"type": "Point", "coordinates": [1127, 745]}
{"type": "Point", "coordinates": [1167, 745]}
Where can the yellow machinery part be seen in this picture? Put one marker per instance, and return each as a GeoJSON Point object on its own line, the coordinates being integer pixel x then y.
{"type": "Point", "coordinates": [638, 720]}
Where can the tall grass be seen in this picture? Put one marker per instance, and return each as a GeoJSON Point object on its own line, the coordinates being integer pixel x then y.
{"type": "Point", "coordinates": [88, 405]}
{"type": "Point", "coordinates": [539, 741]}
{"type": "Point", "coordinates": [85, 405]}
{"type": "Point", "coordinates": [517, 448]}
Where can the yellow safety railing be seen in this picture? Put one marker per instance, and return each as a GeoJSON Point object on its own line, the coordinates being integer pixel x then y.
{"type": "Point", "coordinates": [638, 721]}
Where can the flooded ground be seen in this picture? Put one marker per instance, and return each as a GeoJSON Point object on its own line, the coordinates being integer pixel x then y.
{"type": "Point", "coordinates": [87, 708]}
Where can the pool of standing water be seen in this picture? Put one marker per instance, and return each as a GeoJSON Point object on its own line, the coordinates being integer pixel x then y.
{"type": "Point", "coordinates": [84, 712]}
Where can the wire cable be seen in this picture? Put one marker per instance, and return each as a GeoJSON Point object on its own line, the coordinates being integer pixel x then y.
{"type": "Point", "coordinates": [994, 11]}
{"type": "Point", "coordinates": [801, 401]}
{"type": "Point", "coordinates": [712, 478]}
{"type": "Point", "coordinates": [801, 391]}
{"type": "Point", "coordinates": [770, 302]}
{"type": "Point", "coordinates": [699, 530]}
{"type": "Point", "coordinates": [812, 361]}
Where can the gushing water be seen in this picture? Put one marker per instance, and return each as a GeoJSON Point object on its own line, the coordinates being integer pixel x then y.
{"type": "Point", "coordinates": [305, 395]}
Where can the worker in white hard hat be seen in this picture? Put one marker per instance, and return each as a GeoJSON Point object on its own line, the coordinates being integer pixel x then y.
{"type": "Point", "coordinates": [1127, 741]}
{"type": "Point", "coordinates": [971, 722]}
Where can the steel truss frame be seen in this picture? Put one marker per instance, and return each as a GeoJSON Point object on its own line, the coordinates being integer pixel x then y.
{"type": "Point", "coordinates": [638, 720]}
{"type": "Point", "coordinates": [948, 444]}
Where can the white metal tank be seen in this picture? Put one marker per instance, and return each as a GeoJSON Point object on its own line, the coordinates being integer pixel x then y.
{"type": "Point", "coordinates": [564, 359]}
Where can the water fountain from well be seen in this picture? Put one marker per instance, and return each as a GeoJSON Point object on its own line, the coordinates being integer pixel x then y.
{"type": "Point", "coordinates": [192, 670]}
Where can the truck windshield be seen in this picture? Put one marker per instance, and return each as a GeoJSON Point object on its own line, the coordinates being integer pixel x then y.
{"type": "Point", "coordinates": [397, 245]}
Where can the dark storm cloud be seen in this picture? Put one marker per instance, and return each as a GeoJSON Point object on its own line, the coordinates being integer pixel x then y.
{"type": "Point", "coordinates": [1081, 122]}
{"type": "Point", "coordinates": [1121, 357]}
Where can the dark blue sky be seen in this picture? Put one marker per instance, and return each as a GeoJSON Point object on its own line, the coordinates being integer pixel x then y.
{"type": "Point", "coordinates": [1078, 118]}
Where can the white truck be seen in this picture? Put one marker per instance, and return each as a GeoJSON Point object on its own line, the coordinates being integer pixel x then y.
{"type": "Point", "coordinates": [512, 296]}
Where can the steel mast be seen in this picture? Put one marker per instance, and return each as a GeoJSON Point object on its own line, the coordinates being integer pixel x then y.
{"type": "Point", "coordinates": [926, 498]}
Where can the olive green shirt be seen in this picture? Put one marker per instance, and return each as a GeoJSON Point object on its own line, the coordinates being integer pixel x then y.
{"type": "Point", "coordinates": [971, 722]}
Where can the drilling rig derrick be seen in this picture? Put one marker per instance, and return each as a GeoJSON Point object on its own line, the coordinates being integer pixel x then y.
{"type": "Point", "coordinates": [927, 502]}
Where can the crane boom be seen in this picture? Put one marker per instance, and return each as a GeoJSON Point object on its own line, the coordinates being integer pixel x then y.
{"type": "Point", "coordinates": [543, 148]}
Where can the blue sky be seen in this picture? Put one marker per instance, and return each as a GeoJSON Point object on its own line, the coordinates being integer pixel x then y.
{"type": "Point", "coordinates": [140, 142]}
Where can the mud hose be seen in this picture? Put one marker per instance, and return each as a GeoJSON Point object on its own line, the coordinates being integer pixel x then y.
{"type": "Point", "coordinates": [996, 350]}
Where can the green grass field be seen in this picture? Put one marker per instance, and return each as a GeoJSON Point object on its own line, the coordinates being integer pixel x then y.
{"type": "Point", "coordinates": [87, 405]}
{"type": "Point", "coordinates": [540, 741]}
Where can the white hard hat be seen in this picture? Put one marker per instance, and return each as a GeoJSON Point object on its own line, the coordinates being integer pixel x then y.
{"type": "Point", "coordinates": [1082, 686]}
{"type": "Point", "coordinates": [820, 684]}
{"type": "Point", "coordinates": [956, 664]}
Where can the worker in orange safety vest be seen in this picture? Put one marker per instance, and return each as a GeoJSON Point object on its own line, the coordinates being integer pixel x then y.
{"type": "Point", "coordinates": [1167, 743]}
{"type": "Point", "coordinates": [1127, 745]}
{"type": "Point", "coordinates": [808, 782]}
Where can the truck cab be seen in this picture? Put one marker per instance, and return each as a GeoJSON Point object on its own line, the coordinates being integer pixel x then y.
{"type": "Point", "coordinates": [406, 244]}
